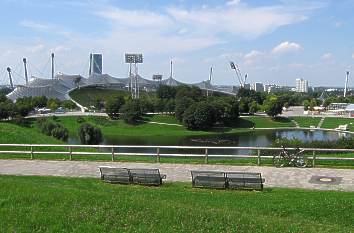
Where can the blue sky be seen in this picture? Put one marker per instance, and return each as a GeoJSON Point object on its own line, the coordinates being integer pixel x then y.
{"type": "Point", "coordinates": [273, 41]}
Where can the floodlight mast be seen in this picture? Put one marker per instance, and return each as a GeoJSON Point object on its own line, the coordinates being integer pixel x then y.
{"type": "Point", "coordinates": [238, 72]}
{"type": "Point", "coordinates": [346, 84]}
{"type": "Point", "coordinates": [134, 59]}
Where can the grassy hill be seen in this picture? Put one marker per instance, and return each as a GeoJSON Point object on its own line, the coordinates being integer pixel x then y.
{"type": "Point", "coordinates": [49, 204]}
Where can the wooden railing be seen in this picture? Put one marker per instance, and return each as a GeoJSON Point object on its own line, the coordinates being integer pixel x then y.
{"type": "Point", "coordinates": [116, 150]}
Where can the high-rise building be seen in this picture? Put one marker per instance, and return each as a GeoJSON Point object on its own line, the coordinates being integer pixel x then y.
{"type": "Point", "coordinates": [302, 85]}
{"type": "Point", "coordinates": [258, 87]}
{"type": "Point", "coordinates": [95, 63]}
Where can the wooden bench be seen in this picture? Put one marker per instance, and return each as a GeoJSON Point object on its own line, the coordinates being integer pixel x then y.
{"type": "Point", "coordinates": [229, 180]}
{"type": "Point", "coordinates": [131, 176]}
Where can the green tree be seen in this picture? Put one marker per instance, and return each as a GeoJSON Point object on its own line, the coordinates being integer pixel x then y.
{"type": "Point", "coordinates": [199, 116]}
{"type": "Point", "coordinates": [90, 135]}
{"type": "Point", "coordinates": [254, 107]}
{"type": "Point", "coordinates": [113, 105]}
{"type": "Point", "coordinates": [68, 104]}
{"type": "Point", "coordinates": [166, 92]}
{"type": "Point", "coordinates": [53, 104]}
{"type": "Point", "coordinates": [60, 133]}
{"type": "Point", "coordinates": [181, 106]}
{"type": "Point", "coordinates": [131, 112]}
{"type": "Point", "coordinates": [273, 106]}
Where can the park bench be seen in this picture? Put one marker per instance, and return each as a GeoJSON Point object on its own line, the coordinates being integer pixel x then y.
{"type": "Point", "coordinates": [208, 179]}
{"type": "Point", "coordinates": [131, 176]}
{"type": "Point", "coordinates": [115, 175]}
{"type": "Point", "coordinates": [146, 176]}
{"type": "Point", "coordinates": [244, 180]}
{"type": "Point", "coordinates": [230, 180]}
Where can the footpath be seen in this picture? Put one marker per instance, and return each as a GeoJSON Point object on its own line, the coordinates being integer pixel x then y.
{"type": "Point", "coordinates": [306, 178]}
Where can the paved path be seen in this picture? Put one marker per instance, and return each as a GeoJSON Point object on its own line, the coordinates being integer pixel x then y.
{"type": "Point", "coordinates": [275, 177]}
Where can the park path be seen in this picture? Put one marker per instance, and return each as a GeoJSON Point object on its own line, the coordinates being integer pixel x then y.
{"type": "Point", "coordinates": [275, 177]}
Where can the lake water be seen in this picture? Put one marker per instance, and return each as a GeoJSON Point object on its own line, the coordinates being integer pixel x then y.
{"type": "Point", "coordinates": [260, 138]}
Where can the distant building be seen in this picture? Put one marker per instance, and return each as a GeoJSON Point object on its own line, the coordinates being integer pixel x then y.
{"type": "Point", "coordinates": [302, 85]}
{"type": "Point", "coordinates": [258, 87]}
{"type": "Point", "coordinates": [273, 88]}
{"type": "Point", "coordinates": [95, 64]}
{"type": "Point", "coordinates": [247, 86]}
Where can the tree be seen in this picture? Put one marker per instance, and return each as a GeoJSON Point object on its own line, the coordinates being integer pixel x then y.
{"type": "Point", "coordinates": [60, 133]}
{"type": "Point", "coordinates": [254, 107]}
{"type": "Point", "coordinates": [39, 101]}
{"type": "Point", "coordinates": [98, 103]}
{"type": "Point", "coordinates": [166, 92]}
{"type": "Point", "coordinates": [53, 104]}
{"type": "Point", "coordinates": [199, 116]}
{"type": "Point", "coordinates": [90, 135]}
{"type": "Point", "coordinates": [113, 105]}
{"type": "Point", "coordinates": [181, 106]}
{"type": "Point", "coordinates": [68, 104]}
{"type": "Point", "coordinates": [273, 106]}
{"type": "Point", "coordinates": [131, 112]}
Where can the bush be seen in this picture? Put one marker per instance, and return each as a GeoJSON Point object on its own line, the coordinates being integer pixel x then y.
{"type": "Point", "coordinates": [60, 133]}
{"type": "Point", "coordinates": [131, 112]}
{"type": "Point", "coordinates": [90, 135]}
{"type": "Point", "coordinates": [199, 116]}
{"type": "Point", "coordinates": [181, 106]}
{"type": "Point", "coordinates": [113, 106]}
{"type": "Point", "coordinates": [80, 119]}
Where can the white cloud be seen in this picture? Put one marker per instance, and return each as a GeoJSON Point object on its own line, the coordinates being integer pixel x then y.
{"type": "Point", "coordinates": [286, 47]}
{"type": "Point", "coordinates": [327, 56]}
{"type": "Point", "coordinates": [233, 2]}
{"type": "Point", "coordinates": [240, 20]}
{"type": "Point", "coordinates": [34, 25]}
{"type": "Point", "coordinates": [254, 54]}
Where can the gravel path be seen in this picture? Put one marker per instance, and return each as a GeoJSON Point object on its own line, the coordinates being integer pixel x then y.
{"type": "Point", "coordinates": [275, 177]}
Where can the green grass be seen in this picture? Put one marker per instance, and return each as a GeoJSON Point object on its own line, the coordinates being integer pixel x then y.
{"type": "Point", "coordinates": [263, 122]}
{"type": "Point", "coordinates": [49, 204]}
{"type": "Point", "coordinates": [334, 122]}
{"type": "Point", "coordinates": [86, 96]}
{"type": "Point", "coordinates": [11, 133]}
{"type": "Point", "coordinates": [307, 121]}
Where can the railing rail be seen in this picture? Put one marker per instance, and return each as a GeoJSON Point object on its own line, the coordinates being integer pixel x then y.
{"type": "Point", "coordinates": [204, 151]}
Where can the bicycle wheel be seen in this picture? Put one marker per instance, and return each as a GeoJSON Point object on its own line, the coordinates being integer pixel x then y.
{"type": "Point", "coordinates": [279, 160]}
{"type": "Point", "coordinates": [301, 162]}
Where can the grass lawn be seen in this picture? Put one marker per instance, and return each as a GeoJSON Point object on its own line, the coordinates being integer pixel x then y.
{"type": "Point", "coordinates": [49, 204]}
{"type": "Point", "coordinates": [263, 122]}
{"type": "Point", "coordinates": [307, 121]}
{"type": "Point", "coordinates": [334, 122]}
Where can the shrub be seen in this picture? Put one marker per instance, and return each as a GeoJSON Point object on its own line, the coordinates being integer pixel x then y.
{"type": "Point", "coordinates": [199, 116]}
{"type": "Point", "coordinates": [113, 106]}
{"type": "Point", "coordinates": [80, 119]}
{"type": "Point", "coordinates": [60, 133]}
{"type": "Point", "coordinates": [90, 135]}
{"type": "Point", "coordinates": [131, 112]}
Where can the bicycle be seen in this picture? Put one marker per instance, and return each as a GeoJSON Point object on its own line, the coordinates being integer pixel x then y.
{"type": "Point", "coordinates": [285, 158]}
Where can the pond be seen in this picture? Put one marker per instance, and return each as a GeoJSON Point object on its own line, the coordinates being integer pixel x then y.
{"type": "Point", "coordinates": [259, 138]}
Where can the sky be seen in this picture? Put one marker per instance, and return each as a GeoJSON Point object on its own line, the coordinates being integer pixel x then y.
{"type": "Point", "coordinates": [273, 41]}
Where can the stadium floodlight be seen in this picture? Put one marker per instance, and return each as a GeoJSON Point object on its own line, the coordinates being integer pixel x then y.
{"type": "Point", "coordinates": [157, 77]}
{"type": "Point", "coordinates": [132, 58]}
{"type": "Point", "coordinates": [232, 65]}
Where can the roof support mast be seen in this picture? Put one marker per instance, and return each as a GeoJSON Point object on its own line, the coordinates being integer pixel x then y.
{"type": "Point", "coordinates": [10, 77]}
{"type": "Point", "coordinates": [52, 55]}
{"type": "Point", "coordinates": [346, 84]}
{"type": "Point", "coordinates": [26, 73]}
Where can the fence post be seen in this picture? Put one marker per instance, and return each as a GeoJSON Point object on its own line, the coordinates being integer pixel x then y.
{"type": "Point", "coordinates": [158, 154]}
{"type": "Point", "coordinates": [32, 152]}
{"type": "Point", "coordinates": [258, 157]}
{"type": "Point", "coordinates": [206, 155]}
{"type": "Point", "coordinates": [313, 158]}
{"type": "Point", "coordinates": [70, 153]}
{"type": "Point", "coordinates": [112, 154]}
